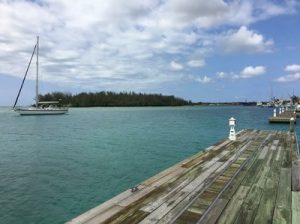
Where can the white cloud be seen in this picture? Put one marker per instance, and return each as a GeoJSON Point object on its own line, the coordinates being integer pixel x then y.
{"type": "Point", "coordinates": [227, 75]}
{"type": "Point", "coordinates": [289, 78]}
{"type": "Point", "coordinates": [205, 79]}
{"type": "Point", "coordinates": [244, 40]}
{"type": "Point", "coordinates": [247, 72]}
{"type": "Point", "coordinates": [196, 63]}
{"type": "Point", "coordinates": [250, 71]}
{"type": "Point", "coordinates": [112, 44]}
{"type": "Point", "coordinates": [292, 68]}
{"type": "Point", "coordinates": [222, 75]}
{"type": "Point", "coordinates": [176, 66]}
{"type": "Point", "coordinates": [181, 13]}
{"type": "Point", "coordinates": [213, 13]}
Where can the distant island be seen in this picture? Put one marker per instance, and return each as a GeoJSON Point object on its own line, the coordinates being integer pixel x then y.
{"type": "Point", "coordinates": [127, 99]}
{"type": "Point", "coordinates": [113, 99]}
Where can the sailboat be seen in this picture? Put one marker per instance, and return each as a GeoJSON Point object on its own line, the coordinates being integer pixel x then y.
{"type": "Point", "coordinates": [40, 108]}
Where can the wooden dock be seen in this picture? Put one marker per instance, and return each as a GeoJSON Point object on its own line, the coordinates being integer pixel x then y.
{"type": "Point", "coordinates": [284, 117]}
{"type": "Point", "coordinates": [255, 179]}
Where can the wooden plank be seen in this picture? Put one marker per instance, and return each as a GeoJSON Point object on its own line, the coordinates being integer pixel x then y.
{"type": "Point", "coordinates": [296, 175]}
{"type": "Point", "coordinates": [205, 156]}
{"type": "Point", "coordinates": [228, 193]}
{"type": "Point", "coordinates": [205, 164]}
{"type": "Point", "coordinates": [229, 214]}
{"type": "Point", "coordinates": [131, 218]}
{"type": "Point", "coordinates": [263, 153]}
{"type": "Point", "coordinates": [274, 144]}
{"type": "Point", "coordinates": [245, 134]}
{"type": "Point", "coordinates": [212, 216]}
{"type": "Point", "coordinates": [195, 211]}
{"type": "Point", "coordinates": [155, 204]}
{"type": "Point", "coordinates": [279, 153]}
{"type": "Point", "coordinates": [267, 203]}
{"type": "Point", "coordinates": [102, 208]}
{"type": "Point", "coordinates": [152, 205]}
{"type": "Point", "coordinates": [183, 181]}
{"type": "Point", "coordinates": [179, 208]}
{"type": "Point", "coordinates": [191, 189]}
{"type": "Point", "coordinates": [104, 215]}
{"type": "Point", "coordinates": [287, 158]}
{"type": "Point", "coordinates": [254, 174]}
{"type": "Point", "coordinates": [135, 196]}
{"type": "Point", "coordinates": [256, 178]}
{"type": "Point", "coordinates": [192, 184]}
{"type": "Point", "coordinates": [295, 147]}
{"type": "Point", "coordinates": [282, 212]}
{"type": "Point", "coordinates": [132, 209]}
{"type": "Point", "coordinates": [295, 207]}
{"type": "Point", "coordinates": [229, 173]}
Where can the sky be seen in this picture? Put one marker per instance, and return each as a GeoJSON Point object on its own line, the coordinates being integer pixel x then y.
{"type": "Point", "coordinates": [210, 51]}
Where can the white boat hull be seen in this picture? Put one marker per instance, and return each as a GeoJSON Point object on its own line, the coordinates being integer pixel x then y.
{"type": "Point", "coordinates": [41, 111]}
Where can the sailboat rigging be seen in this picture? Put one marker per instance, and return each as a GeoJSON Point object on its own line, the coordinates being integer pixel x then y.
{"type": "Point", "coordinates": [40, 108]}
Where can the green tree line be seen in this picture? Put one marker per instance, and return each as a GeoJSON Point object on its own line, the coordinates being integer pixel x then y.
{"type": "Point", "coordinates": [110, 99]}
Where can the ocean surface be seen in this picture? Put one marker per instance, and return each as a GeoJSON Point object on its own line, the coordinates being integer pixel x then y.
{"type": "Point", "coordinates": [53, 168]}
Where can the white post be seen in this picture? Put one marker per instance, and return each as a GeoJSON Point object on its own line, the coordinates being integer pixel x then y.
{"type": "Point", "coordinates": [282, 110]}
{"type": "Point", "coordinates": [37, 74]}
{"type": "Point", "coordinates": [292, 124]}
{"type": "Point", "coordinates": [274, 114]}
{"type": "Point", "coordinates": [279, 110]}
{"type": "Point", "coordinates": [232, 135]}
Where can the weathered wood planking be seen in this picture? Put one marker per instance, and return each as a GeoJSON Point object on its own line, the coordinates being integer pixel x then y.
{"type": "Point", "coordinates": [255, 181]}
{"type": "Point", "coordinates": [283, 210]}
{"type": "Point", "coordinates": [250, 180]}
{"type": "Point", "coordinates": [296, 175]}
{"type": "Point", "coordinates": [295, 207]}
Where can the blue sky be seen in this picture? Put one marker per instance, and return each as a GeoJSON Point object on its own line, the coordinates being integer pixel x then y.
{"type": "Point", "coordinates": [201, 50]}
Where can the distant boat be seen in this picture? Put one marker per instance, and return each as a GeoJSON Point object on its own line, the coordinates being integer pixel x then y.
{"type": "Point", "coordinates": [40, 108]}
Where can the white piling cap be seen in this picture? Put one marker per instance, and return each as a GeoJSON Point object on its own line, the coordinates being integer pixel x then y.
{"type": "Point", "coordinates": [232, 121]}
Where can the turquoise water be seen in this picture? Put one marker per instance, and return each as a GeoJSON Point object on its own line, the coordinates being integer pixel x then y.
{"type": "Point", "coordinates": [53, 168]}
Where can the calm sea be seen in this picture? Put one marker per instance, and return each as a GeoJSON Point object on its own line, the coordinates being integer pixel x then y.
{"type": "Point", "coordinates": [53, 168]}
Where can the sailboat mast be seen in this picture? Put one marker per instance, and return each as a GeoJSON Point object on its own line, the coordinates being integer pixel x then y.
{"type": "Point", "coordinates": [16, 101]}
{"type": "Point", "coordinates": [37, 74]}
